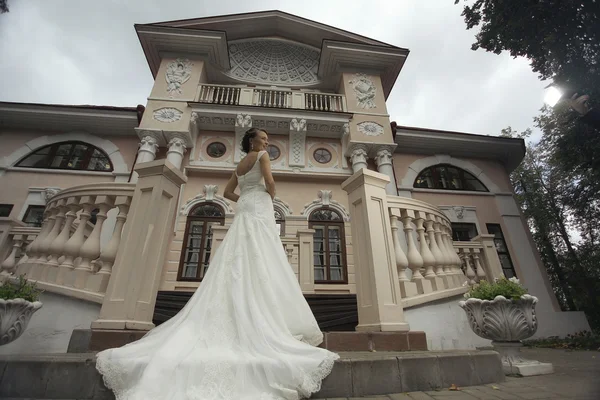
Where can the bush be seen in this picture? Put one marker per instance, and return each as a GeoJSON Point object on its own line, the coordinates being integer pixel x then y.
{"type": "Point", "coordinates": [580, 341]}
{"type": "Point", "coordinates": [23, 290]}
{"type": "Point", "coordinates": [509, 288]}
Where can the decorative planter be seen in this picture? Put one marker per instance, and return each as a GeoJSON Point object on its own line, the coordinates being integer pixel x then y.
{"type": "Point", "coordinates": [14, 317]}
{"type": "Point", "coordinates": [506, 322]}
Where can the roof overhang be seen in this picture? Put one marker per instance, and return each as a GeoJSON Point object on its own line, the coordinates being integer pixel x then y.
{"type": "Point", "coordinates": [158, 41]}
{"type": "Point", "coordinates": [98, 120]}
{"type": "Point", "coordinates": [385, 61]}
{"type": "Point", "coordinates": [508, 151]}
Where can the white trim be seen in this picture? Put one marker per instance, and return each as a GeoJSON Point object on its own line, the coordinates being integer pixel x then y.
{"type": "Point", "coordinates": [419, 165]}
{"type": "Point", "coordinates": [327, 203]}
{"type": "Point", "coordinates": [209, 196]}
{"type": "Point", "coordinates": [113, 152]}
{"type": "Point", "coordinates": [469, 215]}
{"type": "Point", "coordinates": [283, 206]}
{"type": "Point", "coordinates": [444, 191]}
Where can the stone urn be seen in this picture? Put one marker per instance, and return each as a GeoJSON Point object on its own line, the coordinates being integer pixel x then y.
{"type": "Point", "coordinates": [506, 322]}
{"type": "Point", "coordinates": [14, 318]}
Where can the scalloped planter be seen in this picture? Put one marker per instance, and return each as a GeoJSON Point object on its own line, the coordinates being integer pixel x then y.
{"type": "Point", "coordinates": [506, 322]}
{"type": "Point", "coordinates": [14, 318]}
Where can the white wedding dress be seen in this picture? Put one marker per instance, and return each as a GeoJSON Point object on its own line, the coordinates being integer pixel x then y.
{"type": "Point", "coordinates": [247, 333]}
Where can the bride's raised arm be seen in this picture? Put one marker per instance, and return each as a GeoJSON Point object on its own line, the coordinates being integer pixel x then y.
{"type": "Point", "coordinates": [265, 167]}
{"type": "Point", "coordinates": [229, 192]}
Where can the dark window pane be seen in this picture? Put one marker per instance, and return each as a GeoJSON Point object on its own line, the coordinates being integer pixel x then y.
{"type": "Point", "coordinates": [328, 242]}
{"type": "Point", "coordinates": [448, 177]}
{"type": "Point", "coordinates": [68, 155]}
{"type": "Point", "coordinates": [5, 210]}
{"type": "Point", "coordinates": [216, 150]}
{"type": "Point", "coordinates": [207, 210]}
{"type": "Point", "coordinates": [34, 216]}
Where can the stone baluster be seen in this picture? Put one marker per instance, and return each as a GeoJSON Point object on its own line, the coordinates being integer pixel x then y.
{"type": "Point", "coordinates": [56, 247]}
{"type": "Point", "coordinates": [73, 245]}
{"type": "Point", "coordinates": [468, 268]}
{"type": "Point", "coordinates": [33, 251]}
{"type": "Point", "coordinates": [28, 243]}
{"type": "Point", "coordinates": [401, 260]}
{"type": "Point", "coordinates": [428, 257]}
{"type": "Point", "coordinates": [51, 238]}
{"type": "Point", "coordinates": [479, 270]}
{"type": "Point", "coordinates": [91, 248]}
{"type": "Point", "coordinates": [42, 250]}
{"type": "Point", "coordinates": [109, 253]}
{"type": "Point", "coordinates": [437, 282]}
{"type": "Point", "coordinates": [415, 260]}
{"type": "Point", "coordinates": [455, 261]}
{"type": "Point", "coordinates": [8, 266]}
{"type": "Point", "coordinates": [448, 282]}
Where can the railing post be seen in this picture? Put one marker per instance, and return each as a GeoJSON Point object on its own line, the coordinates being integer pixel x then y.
{"type": "Point", "coordinates": [131, 293]}
{"type": "Point", "coordinates": [377, 287]}
{"type": "Point", "coordinates": [8, 266]}
{"type": "Point", "coordinates": [306, 266]}
{"type": "Point", "coordinates": [407, 288]}
{"type": "Point", "coordinates": [437, 283]}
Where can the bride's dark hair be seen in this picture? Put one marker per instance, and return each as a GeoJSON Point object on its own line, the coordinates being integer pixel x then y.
{"type": "Point", "coordinates": [248, 136]}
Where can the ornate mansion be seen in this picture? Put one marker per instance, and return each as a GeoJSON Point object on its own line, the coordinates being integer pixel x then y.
{"type": "Point", "coordinates": [116, 212]}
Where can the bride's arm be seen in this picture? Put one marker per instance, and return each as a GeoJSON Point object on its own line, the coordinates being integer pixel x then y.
{"type": "Point", "coordinates": [230, 189]}
{"type": "Point", "coordinates": [265, 167]}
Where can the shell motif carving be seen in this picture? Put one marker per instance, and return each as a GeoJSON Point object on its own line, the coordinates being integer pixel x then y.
{"type": "Point", "coordinates": [14, 318]}
{"type": "Point", "coordinates": [501, 319]}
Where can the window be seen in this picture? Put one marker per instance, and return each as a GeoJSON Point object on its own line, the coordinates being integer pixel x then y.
{"type": "Point", "coordinates": [34, 216]}
{"type": "Point", "coordinates": [216, 150]}
{"type": "Point", "coordinates": [68, 155]}
{"type": "Point", "coordinates": [5, 210]}
{"type": "Point", "coordinates": [448, 177]}
{"type": "Point", "coordinates": [280, 221]}
{"type": "Point", "coordinates": [502, 249]}
{"type": "Point", "coordinates": [195, 255]}
{"type": "Point", "coordinates": [322, 156]}
{"type": "Point", "coordinates": [329, 246]}
{"type": "Point", "coordinates": [462, 232]}
{"type": "Point", "coordinates": [274, 152]}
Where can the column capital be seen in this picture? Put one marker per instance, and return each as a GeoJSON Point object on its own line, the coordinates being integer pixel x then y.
{"type": "Point", "coordinates": [383, 157]}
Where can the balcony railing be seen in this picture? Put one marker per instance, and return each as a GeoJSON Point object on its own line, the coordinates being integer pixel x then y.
{"type": "Point", "coordinates": [271, 98]}
{"type": "Point", "coordinates": [68, 251]}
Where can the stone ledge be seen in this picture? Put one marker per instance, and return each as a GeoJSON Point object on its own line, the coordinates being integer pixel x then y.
{"type": "Point", "coordinates": [73, 376]}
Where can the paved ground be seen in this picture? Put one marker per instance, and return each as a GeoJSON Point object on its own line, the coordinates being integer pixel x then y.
{"type": "Point", "coordinates": [576, 376]}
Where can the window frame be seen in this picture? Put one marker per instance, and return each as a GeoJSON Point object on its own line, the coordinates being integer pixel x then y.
{"type": "Point", "coordinates": [191, 218]}
{"type": "Point", "coordinates": [507, 252]}
{"type": "Point", "coordinates": [88, 156]}
{"type": "Point", "coordinates": [465, 226]}
{"type": "Point", "coordinates": [342, 225]}
{"type": "Point", "coordinates": [435, 177]}
{"type": "Point", "coordinates": [281, 221]}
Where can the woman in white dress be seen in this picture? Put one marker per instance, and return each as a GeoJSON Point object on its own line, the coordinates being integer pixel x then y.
{"type": "Point", "coordinates": [247, 333]}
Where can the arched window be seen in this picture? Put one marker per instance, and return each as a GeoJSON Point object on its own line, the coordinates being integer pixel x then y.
{"type": "Point", "coordinates": [448, 177]}
{"type": "Point", "coordinates": [329, 246]}
{"type": "Point", "coordinates": [197, 242]}
{"type": "Point", "coordinates": [280, 221]}
{"type": "Point", "coordinates": [68, 155]}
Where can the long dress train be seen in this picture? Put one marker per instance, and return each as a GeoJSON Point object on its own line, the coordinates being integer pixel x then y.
{"type": "Point", "coordinates": [247, 333]}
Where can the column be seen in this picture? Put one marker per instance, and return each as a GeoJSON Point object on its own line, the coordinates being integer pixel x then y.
{"type": "Point", "coordinates": [384, 165]}
{"type": "Point", "coordinates": [377, 288]}
{"type": "Point", "coordinates": [177, 147]}
{"type": "Point", "coordinates": [306, 262]}
{"type": "Point", "coordinates": [358, 158]}
{"type": "Point", "coordinates": [131, 293]}
{"type": "Point", "coordinates": [147, 149]}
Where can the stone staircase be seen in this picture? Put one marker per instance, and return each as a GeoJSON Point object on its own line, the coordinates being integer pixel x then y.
{"type": "Point", "coordinates": [73, 375]}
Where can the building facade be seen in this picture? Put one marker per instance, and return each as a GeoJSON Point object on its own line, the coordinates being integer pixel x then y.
{"type": "Point", "coordinates": [116, 212]}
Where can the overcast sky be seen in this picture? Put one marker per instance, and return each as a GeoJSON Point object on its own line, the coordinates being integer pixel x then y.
{"type": "Point", "coordinates": [87, 52]}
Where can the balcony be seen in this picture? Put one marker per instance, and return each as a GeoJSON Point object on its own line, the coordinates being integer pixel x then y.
{"type": "Point", "coordinates": [270, 98]}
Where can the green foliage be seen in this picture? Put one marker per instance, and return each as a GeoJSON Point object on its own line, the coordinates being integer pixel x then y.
{"type": "Point", "coordinates": [509, 288]}
{"type": "Point", "coordinates": [23, 290]}
{"type": "Point", "coordinates": [580, 341]}
{"type": "Point", "coordinates": [3, 6]}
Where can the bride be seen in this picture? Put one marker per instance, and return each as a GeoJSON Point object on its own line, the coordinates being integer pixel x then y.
{"type": "Point", "coordinates": [247, 333]}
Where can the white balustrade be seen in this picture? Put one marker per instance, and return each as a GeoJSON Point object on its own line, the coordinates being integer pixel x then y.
{"type": "Point", "coordinates": [271, 98]}
{"type": "Point", "coordinates": [67, 251]}
{"type": "Point", "coordinates": [474, 260]}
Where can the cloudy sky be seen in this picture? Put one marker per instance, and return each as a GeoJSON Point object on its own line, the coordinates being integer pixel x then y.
{"type": "Point", "coordinates": [87, 52]}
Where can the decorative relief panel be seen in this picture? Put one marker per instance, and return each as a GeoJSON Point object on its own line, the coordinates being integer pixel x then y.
{"type": "Point", "coordinates": [297, 142]}
{"type": "Point", "coordinates": [167, 114]}
{"type": "Point", "coordinates": [178, 72]}
{"type": "Point", "coordinates": [274, 61]}
{"type": "Point", "coordinates": [365, 91]}
{"type": "Point", "coordinates": [370, 128]}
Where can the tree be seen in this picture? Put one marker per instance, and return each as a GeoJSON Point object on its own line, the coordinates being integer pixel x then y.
{"type": "Point", "coordinates": [3, 6]}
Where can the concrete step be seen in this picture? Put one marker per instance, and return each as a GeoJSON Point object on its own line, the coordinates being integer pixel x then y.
{"type": "Point", "coordinates": [73, 375]}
